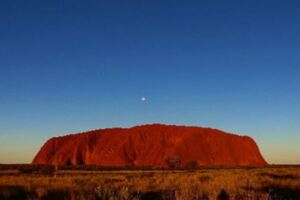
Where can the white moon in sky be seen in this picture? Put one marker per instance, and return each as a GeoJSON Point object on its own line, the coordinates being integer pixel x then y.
{"type": "Point", "coordinates": [143, 99]}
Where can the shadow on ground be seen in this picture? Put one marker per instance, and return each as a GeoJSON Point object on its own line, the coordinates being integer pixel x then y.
{"type": "Point", "coordinates": [279, 192]}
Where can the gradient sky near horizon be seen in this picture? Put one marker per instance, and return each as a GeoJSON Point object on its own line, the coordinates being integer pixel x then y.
{"type": "Point", "coordinates": [71, 66]}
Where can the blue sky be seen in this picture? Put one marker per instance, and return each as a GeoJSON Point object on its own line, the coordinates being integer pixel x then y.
{"type": "Point", "coordinates": [70, 66]}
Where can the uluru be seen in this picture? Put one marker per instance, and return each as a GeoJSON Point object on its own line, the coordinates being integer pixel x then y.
{"type": "Point", "coordinates": [151, 145]}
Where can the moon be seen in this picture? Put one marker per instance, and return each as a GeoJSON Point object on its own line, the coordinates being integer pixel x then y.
{"type": "Point", "coordinates": [143, 99]}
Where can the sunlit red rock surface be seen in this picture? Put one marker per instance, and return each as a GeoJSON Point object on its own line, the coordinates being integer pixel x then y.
{"type": "Point", "coordinates": [151, 145]}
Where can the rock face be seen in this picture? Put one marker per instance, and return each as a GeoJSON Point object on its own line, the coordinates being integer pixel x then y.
{"type": "Point", "coordinates": [151, 145]}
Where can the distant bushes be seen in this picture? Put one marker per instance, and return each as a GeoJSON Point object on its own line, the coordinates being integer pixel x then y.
{"type": "Point", "coordinates": [107, 168]}
{"type": "Point", "coordinates": [191, 165]}
{"type": "Point", "coordinates": [37, 169]}
{"type": "Point", "coordinates": [29, 169]}
{"type": "Point", "coordinates": [173, 162]}
{"type": "Point", "coordinates": [280, 176]}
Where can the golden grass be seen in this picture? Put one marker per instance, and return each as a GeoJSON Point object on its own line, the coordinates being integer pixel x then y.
{"type": "Point", "coordinates": [259, 183]}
